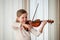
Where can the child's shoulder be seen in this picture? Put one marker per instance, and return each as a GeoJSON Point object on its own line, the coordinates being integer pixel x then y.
{"type": "Point", "coordinates": [16, 24]}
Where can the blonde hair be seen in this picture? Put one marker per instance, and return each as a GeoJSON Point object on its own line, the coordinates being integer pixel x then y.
{"type": "Point", "coordinates": [20, 12]}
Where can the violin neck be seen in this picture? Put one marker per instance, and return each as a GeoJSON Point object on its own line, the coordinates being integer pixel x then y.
{"type": "Point", "coordinates": [49, 21]}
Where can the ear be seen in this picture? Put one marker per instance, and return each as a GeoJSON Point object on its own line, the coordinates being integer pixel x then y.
{"type": "Point", "coordinates": [17, 19]}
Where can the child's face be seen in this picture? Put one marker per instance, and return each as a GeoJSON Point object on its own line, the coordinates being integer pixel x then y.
{"type": "Point", "coordinates": [23, 18]}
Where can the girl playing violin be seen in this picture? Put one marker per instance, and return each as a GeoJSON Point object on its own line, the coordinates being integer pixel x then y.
{"type": "Point", "coordinates": [20, 25]}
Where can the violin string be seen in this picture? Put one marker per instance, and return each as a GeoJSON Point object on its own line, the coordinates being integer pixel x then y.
{"type": "Point", "coordinates": [35, 11]}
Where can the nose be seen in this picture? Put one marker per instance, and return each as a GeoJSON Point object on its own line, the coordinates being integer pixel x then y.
{"type": "Point", "coordinates": [25, 19]}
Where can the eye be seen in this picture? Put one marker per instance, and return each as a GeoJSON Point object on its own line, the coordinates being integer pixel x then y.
{"type": "Point", "coordinates": [25, 17]}
{"type": "Point", "coordinates": [22, 17]}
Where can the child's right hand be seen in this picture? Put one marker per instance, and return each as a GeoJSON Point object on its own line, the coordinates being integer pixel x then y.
{"type": "Point", "coordinates": [27, 26]}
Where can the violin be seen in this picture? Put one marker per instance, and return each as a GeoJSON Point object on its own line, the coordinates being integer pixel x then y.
{"type": "Point", "coordinates": [36, 23]}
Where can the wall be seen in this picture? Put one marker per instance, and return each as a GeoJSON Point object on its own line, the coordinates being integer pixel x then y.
{"type": "Point", "coordinates": [59, 19]}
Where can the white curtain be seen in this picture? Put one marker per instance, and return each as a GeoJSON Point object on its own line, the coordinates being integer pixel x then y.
{"type": "Point", "coordinates": [8, 10]}
{"type": "Point", "coordinates": [42, 14]}
{"type": "Point", "coordinates": [53, 11]}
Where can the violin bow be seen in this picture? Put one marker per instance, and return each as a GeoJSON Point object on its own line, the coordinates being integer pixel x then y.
{"type": "Point", "coordinates": [35, 11]}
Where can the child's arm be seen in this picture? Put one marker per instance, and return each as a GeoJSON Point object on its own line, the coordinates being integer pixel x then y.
{"type": "Point", "coordinates": [16, 26]}
{"type": "Point", "coordinates": [42, 25]}
{"type": "Point", "coordinates": [37, 33]}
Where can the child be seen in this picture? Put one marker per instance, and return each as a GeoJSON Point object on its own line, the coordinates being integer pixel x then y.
{"type": "Point", "coordinates": [20, 23]}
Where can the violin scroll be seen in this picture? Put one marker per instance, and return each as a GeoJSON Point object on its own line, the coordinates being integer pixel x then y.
{"type": "Point", "coordinates": [50, 21]}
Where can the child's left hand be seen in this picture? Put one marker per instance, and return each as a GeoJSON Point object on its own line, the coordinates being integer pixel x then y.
{"type": "Point", "coordinates": [44, 22]}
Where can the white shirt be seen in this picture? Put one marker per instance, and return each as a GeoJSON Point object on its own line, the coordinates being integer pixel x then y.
{"type": "Point", "coordinates": [22, 34]}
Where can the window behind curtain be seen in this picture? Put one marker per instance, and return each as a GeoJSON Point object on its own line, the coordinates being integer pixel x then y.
{"type": "Point", "coordinates": [42, 14]}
